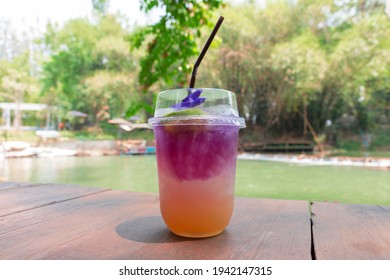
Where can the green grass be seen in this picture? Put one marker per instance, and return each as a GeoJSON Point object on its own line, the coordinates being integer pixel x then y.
{"type": "Point", "coordinates": [359, 153]}
{"type": "Point", "coordinates": [314, 183]}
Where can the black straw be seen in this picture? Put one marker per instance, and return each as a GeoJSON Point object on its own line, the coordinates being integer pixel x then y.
{"type": "Point", "coordinates": [204, 50]}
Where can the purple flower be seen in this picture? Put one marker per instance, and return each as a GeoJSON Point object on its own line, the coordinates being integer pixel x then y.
{"type": "Point", "coordinates": [191, 101]}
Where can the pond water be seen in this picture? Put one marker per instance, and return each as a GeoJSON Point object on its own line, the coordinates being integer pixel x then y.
{"type": "Point", "coordinates": [254, 178]}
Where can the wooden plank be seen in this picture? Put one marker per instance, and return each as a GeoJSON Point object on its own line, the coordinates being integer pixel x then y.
{"type": "Point", "coordinates": [124, 225]}
{"type": "Point", "coordinates": [8, 185]}
{"type": "Point", "coordinates": [342, 231]}
{"type": "Point", "coordinates": [21, 197]}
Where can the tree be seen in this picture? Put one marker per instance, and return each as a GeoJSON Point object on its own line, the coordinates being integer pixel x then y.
{"type": "Point", "coordinates": [82, 53]}
{"type": "Point", "coordinates": [244, 61]}
{"type": "Point", "coordinates": [171, 42]}
{"type": "Point", "coordinates": [71, 58]}
{"type": "Point", "coordinates": [106, 92]}
{"type": "Point", "coordinates": [309, 62]}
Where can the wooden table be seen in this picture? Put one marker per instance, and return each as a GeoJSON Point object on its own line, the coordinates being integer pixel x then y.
{"type": "Point", "coordinates": [46, 221]}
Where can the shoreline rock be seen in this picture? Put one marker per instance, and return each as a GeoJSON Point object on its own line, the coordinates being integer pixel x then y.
{"type": "Point", "coordinates": [314, 160]}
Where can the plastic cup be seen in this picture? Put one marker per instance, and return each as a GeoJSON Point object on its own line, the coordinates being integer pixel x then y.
{"type": "Point", "coordinates": [196, 151]}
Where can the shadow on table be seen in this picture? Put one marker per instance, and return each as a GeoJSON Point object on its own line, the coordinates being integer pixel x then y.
{"type": "Point", "coordinates": [148, 230]}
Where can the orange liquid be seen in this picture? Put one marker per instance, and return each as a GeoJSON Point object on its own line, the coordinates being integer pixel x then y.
{"type": "Point", "coordinates": [197, 208]}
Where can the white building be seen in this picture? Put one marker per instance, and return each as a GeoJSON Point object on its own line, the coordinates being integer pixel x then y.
{"type": "Point", "coordinates": [9, 108]}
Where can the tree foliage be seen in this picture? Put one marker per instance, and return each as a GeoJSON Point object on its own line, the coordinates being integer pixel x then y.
{"type": "Point", "coordinates": [171, 42]}
{"type": "Point", "coordinates": [90, 66]}
{"type": "Point", "coordinates": [325, 60]}
{"type": "Point", "coordinates": [322, 64]}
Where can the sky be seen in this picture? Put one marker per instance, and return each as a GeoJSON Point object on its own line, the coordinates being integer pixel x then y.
{"type": "Point", "coordinates": [24, 13]}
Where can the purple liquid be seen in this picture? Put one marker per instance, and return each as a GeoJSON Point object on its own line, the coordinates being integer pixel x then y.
{"type": "Point", "coordinates": [196, 152]}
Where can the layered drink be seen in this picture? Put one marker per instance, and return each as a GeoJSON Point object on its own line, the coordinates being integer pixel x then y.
{"type": "Point", "coordinates": [196, 148]}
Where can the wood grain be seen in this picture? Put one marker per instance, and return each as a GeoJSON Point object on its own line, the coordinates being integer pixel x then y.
{"type": "Point", "coordinates": [125, 225]}
{"type": "Point", "coordinates": [344, 231]}
{"type": "Point", "coordinates": [17, 197]}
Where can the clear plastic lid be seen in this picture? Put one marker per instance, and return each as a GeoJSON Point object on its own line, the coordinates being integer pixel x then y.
{"type": "Point", "coordinates": [196, 106]}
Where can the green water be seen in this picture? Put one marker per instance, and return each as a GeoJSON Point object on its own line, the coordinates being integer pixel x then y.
{"type": "Point", "coordinates": [254, 178]}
